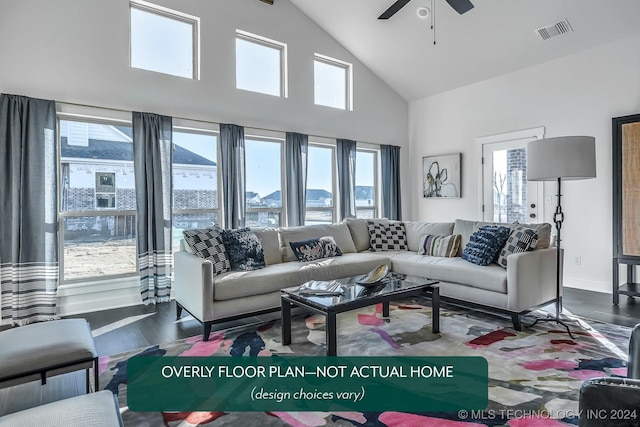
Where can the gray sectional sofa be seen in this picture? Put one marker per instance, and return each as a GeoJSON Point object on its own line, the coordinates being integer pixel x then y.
{"type": "Point", "coordinates": [526, 283]}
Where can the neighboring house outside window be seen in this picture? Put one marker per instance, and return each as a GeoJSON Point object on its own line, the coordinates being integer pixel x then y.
{"type": "Point", "coordinates": [97, 200]}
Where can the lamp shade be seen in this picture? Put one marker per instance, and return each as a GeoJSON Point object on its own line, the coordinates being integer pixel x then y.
{"type": "Point", "coordinates": [566, 157]}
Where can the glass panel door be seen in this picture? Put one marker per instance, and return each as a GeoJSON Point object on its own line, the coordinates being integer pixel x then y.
{"type": "Point", "coordinates": [507, 195]}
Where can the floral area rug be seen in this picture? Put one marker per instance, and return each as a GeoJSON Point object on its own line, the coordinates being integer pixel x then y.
{"type": "Point", "coordinates": [534, 375]}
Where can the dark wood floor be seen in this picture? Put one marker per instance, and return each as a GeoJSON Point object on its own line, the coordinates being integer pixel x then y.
{"type": "Point", "coordinates": [140, 326]}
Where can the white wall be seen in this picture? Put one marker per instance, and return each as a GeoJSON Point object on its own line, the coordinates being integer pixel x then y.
{"type": "Point", "coordinates": [78, 51]}
{"type": "Point", "coordinates": [575, 95]}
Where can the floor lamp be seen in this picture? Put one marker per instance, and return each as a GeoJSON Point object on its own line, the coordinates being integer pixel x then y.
{"type": "Point", "coordinates": [558, 159]}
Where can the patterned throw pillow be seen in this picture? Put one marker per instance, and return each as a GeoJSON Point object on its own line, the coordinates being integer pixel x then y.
{"type": "Point", "coordinates": [206, 243]}
{"type": "Point", "coordinates": [313, 249]}
{"type": "Point", "coordinates": [244, 249]}
{"type": "Point", "coordinates": [390, 236]}
{"type": "Point", "coordinates": [485, 244]}
{"type": "Point", "coordinates": [521, 239]}
{"type": "Point", "coordinates": [444, 246]}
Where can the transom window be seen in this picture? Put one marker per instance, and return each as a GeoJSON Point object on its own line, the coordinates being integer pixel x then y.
{"type": "Point", "coordinates": [320, 185]}
{"type": "Point", "coordinates": [164, 40]}
{"type": "Point", "coordinates": [366, 184]}
{"type": "Point", "coordinates": [263, 160]}
{"type": "Point", "coordinates": [332, 82]}
{"type": "Point", "coordinates": [261, 64]}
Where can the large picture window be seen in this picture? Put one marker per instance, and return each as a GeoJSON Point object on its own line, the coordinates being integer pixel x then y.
{"type": "Point", "coordinates": [97, 200]}
{"type": "Point", "coordinates": [320, 206]}
{"type": "Point", "coordinates": [195, 181]}
{"type": "Point", "coordinates": [263, 160]}
{"type": "Point", "coordinates": [366, 184]}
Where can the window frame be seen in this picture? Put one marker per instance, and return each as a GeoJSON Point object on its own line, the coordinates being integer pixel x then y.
{"type": "Point", "coordinates": [193, 20]}
{"type": "Point", "coordinates": [261, 137]}
{"type": "Point", "coordinates": [62, 215]}
{"type": "Point", "coordinates": [377, 189]}
{"type": "Point", "coordinates": [348, 68]}
{"type": "Point", "coordinates": [270, 43]}
{"type": "Point", "coordinates": [217, 212]}
{"type": "Point", "coordinates": [334, 182]}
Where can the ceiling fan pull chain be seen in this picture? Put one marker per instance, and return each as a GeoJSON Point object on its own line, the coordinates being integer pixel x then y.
{"type": "Point", "coordinates": [433, 6]}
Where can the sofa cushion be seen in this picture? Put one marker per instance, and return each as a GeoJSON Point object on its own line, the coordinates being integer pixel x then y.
{"type": "Point", "coordinates": [339, 232]}
{"type": "Point", "coordinates": [243, 248]}
{"type": "Point", "coordinates": [359, 232]}
{"type": "Point", "coordinates": [466, 228]}
{"type": "Point", "coordinates": [207, 243]}
{"type": "Point", "coordinates": [446, 246]}
{"type": "Point", "coordinates": [417, 229]}
{"type": "Point", "coordinates": [544, 234]}
{"type": "Point", "coordinates": [387, 236]}
{"type": "Point", "coordinates": [313, 249]}
{"type": "Point", "coordinates": [270, 244]}
{"type": "Point", "coordinates": [238, 284]}
{"type": "Point", "coordinates": [454, 270]}
{"type": "Point", "coordinates": [521, 239]}
{"type": "Point", "coordinates": [485, 244]}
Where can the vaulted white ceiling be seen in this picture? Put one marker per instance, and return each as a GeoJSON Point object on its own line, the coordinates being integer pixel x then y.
{"type": "Point", "coordinates": [494, 38]}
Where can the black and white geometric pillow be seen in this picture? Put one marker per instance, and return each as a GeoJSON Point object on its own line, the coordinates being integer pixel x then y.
{"type": "Point", "coordinates": [206, 243]}
{"type": "Point", "coordinates": [390, 236]}
{"type": "Point", "coordinates": [521, 239]}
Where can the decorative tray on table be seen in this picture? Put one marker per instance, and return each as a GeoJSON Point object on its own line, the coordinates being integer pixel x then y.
{"type": "Point", "coordinates": [374, 276]}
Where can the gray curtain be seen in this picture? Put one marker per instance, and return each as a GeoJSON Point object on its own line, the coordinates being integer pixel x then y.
{"type": "Point", "coordinates": [152, 143]}
{"type": "Point", "coordinates": [296, 150]}
{"type": "Point", "coordinates": [347, 177]}
{"type": "Point", "coordinates": [28, 210]}
{"type": "Point", "coordinates": [391, 199]}
{"type": "Point", "coordinates": [233, 175]}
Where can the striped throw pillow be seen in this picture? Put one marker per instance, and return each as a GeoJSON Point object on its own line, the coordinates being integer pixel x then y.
{"type": "Point", "coordinates": [444, 246]}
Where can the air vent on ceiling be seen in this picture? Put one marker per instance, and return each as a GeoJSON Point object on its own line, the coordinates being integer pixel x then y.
{"type": "Point", "coordinates": [552, 30]}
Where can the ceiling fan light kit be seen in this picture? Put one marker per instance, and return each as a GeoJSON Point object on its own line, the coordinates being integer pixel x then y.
{"type": "Point", "coordinates": [460, 6]}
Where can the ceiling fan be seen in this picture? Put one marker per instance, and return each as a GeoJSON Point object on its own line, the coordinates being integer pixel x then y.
{"type": "Point", "coordinates": [460, 6]}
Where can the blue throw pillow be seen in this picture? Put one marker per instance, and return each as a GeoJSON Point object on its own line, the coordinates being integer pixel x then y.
{"type": "Point", "coordinates": [485, 244]}
{"type": "Point", "coordinates": [313, 249]}
{"type": "Point", "coordinates": [243, 248]}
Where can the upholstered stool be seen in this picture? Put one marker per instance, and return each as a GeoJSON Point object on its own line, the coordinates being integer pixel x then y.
{"type": "Point", "coordinates": [95, 410]}
{"type": "Point", "coordinates": [46, 349]}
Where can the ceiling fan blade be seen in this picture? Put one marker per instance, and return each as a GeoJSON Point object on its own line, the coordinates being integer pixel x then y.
{"type": "Point", "coordinates": [393, 9]}
{"type": "Point", "coordinates": [267, 1]}
{"type": "Point", "coordinates": [460, 6]}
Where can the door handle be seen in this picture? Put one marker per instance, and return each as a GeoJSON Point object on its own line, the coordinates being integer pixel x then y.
{"type": "Point", "coordinates": [533, 205]}
{"type": "Point", "coordinates": [532, 215]}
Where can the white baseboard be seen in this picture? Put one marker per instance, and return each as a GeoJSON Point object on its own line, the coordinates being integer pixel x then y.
{"type": "Point", "coordinates": [81, 298]}
{"type": "Point", "coordinates": [587, 285]}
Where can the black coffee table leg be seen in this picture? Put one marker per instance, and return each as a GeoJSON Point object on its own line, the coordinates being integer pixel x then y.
{"type": "Point", "coordinates": [385, 309]}
{"type": "Point", "coordinates": [435, 309]}
{"type": "Point", "coordinates": [332, 341]}
{"type": "Point", "coordinates": [286, 321]}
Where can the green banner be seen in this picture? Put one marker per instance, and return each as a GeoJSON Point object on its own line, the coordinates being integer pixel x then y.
{"type": "Point", "coordinates": [307, 383]}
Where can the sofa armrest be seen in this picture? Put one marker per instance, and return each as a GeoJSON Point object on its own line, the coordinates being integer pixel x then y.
{"type": "Point", "coordinates": [193, 284]}
{"type": "Point", "coordinates": [531, 278]}
{"type": "Point", "coordinates": [609, 401]}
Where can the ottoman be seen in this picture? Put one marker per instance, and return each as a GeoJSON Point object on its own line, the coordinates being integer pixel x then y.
{"type": "Point", "coordinates": [41, 350]}
{"type": "Point", "coordinates": [88, 410]}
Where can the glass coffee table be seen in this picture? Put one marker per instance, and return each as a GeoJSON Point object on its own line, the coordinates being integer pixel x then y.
{"type": "Point", "coordinates": [355, 296]}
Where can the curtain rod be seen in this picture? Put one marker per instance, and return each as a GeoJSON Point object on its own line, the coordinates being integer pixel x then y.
{"type": "Point", "coordinates": [76, 104]}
